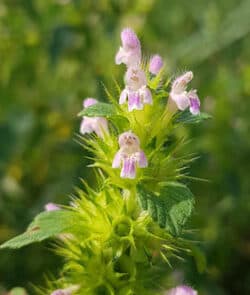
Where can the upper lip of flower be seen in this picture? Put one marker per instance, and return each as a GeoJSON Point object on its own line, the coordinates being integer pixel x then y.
{"type": "Point", "coordinates": [129, 141]}
{"type": "Point", "coordinates": [135, 78]}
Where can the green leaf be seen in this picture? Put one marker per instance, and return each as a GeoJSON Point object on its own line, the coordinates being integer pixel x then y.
{"type": "Point", "coordinates": [187, 118]}
{"type": "Point", "coordinates": [120, 122]}
{"type": "Point", "coordinates": [45, 225]}
{"type": "Point", "coordinates": [17, 291]}
{"type": "Point", "coordinates": [171, 209]}
{"type": "Point", "coordinates": [99, 110]}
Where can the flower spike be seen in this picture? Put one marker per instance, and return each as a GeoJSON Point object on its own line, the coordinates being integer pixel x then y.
{"type": "Point", "coordinates": [129, 155]}
{"type": "Point", "coordinates": [98, 125]}
{"type": "Point", "coordinates": [122, 229]}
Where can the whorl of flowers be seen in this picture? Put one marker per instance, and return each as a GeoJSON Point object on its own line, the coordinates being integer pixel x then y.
{"type": "Point", "coordinates": [119, 237]}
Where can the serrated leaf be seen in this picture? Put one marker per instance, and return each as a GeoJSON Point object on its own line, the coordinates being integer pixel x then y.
{"type": "Point", "coordinates": [45, 225]}
{"type": "Point", "coordinates": [171, 209]}
{"type": "Point", "coordinates": [187, 118]}
{"type": "Point", "coordinates": [100, 109]}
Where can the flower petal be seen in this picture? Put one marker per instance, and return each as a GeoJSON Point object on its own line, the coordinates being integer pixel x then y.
{"type": "Point", "coordinates": [180, 83]}
{"type": "Point", "coordinates": [134, 101]}
{"type": "Point", "coordinates": [117, 160]}
{"type": "Point", "coordinates": [86, 125]}
{"type": "Point", "coordinates": [129, 39]}
{"type": "Point", "coordinates": [147, 96]}
{"type": "Point", "coordinates": [121, 56]}
{"type": "Point", "coordinates": [89, 102]}
{"type": "Point", "coordinates": [182, 290]}
{"type": "Point", "coordinates": [194, 102]}
{"type": "Point", "coordinates": [181, 100]}
{"type": "Point", "coordinates": [51, 207]}
{"type": "Point", "coordinates": [123, 96]}
{"type": "Point", "coordinates": [128, 168]}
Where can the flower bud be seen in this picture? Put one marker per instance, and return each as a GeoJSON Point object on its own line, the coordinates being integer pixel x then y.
{"type": "Point", "coordinates": [129, 39]}
{"type": "Point", "coordinates": [155, 64]}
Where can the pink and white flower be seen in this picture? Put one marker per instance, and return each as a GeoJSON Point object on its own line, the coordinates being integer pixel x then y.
{"type": "Point", "coordinates": [183, 98]}
{"type": "Point", "coordinates": [130, 51]}
{"type": "Point", "coordinates": [136, 91]}
{"type": "Point", "coordinates": [60, 292]}
{"type": "Point", "coordinates": [68, 291]}
{"type": "Point", "coordinates": [155, 64]}
{"type": "Point", "coordinates": [51, 207]}
{"type": "Point", "coordinates": [182, 290]}
{"type": "Point", "coordinates": [130, 156]}
{"type": "Point", "coordinates": [99, 125]}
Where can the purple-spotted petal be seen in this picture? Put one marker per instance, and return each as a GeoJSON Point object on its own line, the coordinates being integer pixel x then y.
{"type": "Point", "coordinates": [134, 101]}
{"type": "Point", "coordinates": [146, 95]}
{"type": "Point", "coordinates": [194, 102]}
{"type": "Point", "coordinates": [182, 290]}
{"type": "Point", "coordinates": [128, 168]}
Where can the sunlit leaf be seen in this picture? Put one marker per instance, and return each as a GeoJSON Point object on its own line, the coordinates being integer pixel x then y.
{"type": "Point", "coordinates": [100, 109]}
{"type": "Point", "coordinates": [171, 209]}
{"type": "Point", "coordinates": [187, 118]}
{"type": "Point", "coordinates": [45, 225]}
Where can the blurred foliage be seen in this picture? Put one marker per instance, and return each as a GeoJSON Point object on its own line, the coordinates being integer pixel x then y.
{"type": "Point", "coordinates": [54, 53]}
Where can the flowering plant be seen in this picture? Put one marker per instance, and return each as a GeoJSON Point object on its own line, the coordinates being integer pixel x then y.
{"type": "Point", "coordinates": [119, 237]}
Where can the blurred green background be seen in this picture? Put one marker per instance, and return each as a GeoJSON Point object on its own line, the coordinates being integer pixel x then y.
{"type": "Point", "coordinates": [54, 53]}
